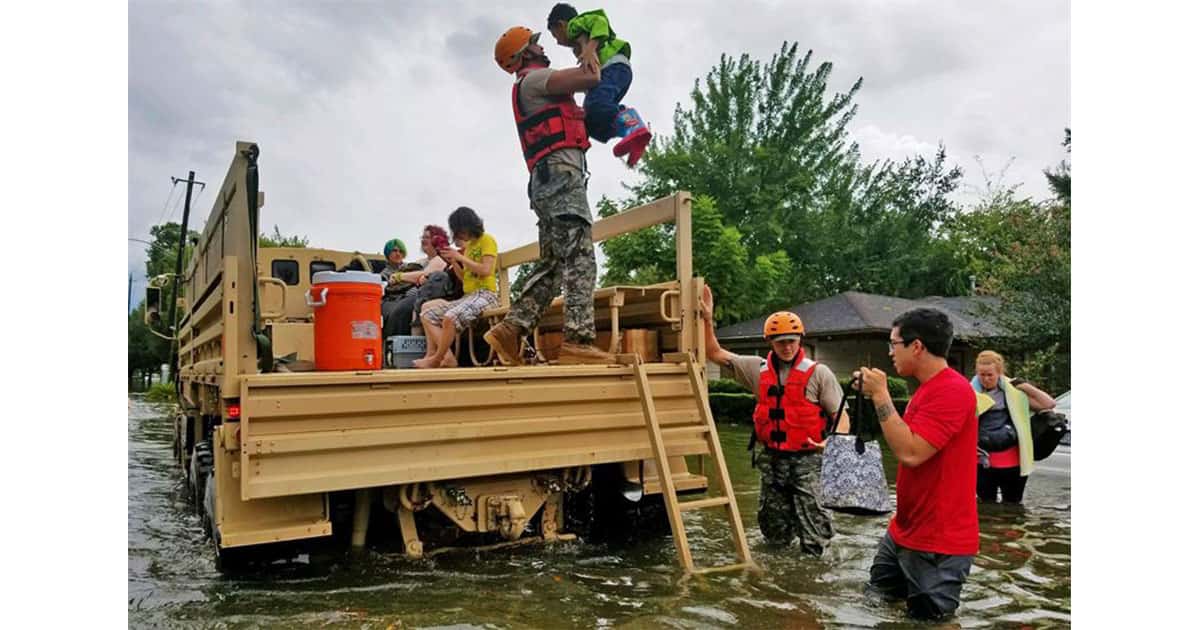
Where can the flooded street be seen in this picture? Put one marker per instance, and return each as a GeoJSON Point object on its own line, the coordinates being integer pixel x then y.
{"type": "Point", "coordinates": [1021, 577]}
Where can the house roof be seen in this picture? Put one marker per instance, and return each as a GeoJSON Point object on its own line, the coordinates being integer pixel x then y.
{"type": "Point", "coordinates": [855, 312]}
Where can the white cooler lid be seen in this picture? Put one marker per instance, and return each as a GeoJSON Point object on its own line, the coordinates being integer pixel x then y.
{"type": "Point", "coordinates": [366, 277]}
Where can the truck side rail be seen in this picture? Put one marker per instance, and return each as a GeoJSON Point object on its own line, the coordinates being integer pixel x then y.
{"type": "Point", "coordinates": [320, 432]}
{"type": "Point", "coordinates": [677, 209]}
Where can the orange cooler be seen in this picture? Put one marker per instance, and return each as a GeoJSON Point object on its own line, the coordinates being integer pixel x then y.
{"type": "Point", "coordinates": [347, 324]}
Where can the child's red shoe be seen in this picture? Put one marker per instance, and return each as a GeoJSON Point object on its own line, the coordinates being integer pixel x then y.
{"type": "Point", "coordinates": [634, 133]}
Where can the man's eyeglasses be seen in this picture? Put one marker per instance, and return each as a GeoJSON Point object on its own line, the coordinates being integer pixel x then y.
{"type": "Point", "coordinates": [892, 343]}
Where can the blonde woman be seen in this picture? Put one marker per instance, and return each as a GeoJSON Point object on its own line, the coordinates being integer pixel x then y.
{"type": "Point", "coordinates": [1005, 438]}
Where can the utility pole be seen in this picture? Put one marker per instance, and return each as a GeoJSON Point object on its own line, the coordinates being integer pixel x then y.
{"type": "Point", "coordinates": [183, 234]}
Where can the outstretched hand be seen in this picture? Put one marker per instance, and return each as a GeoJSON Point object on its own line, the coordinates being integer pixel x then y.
{"type": "Point", "coordinates": [706, 303]}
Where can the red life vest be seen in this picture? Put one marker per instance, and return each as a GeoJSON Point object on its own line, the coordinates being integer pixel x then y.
{"type": "Point", "coordinates": [554, 127]}
{"type": "Point", "coordinates": [791, 413]}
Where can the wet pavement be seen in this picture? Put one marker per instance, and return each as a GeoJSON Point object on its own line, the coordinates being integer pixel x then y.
{"type": "Point", "coordinates": [1021, 578]}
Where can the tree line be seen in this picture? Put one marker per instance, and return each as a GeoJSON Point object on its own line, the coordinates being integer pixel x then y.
{"type": "Point", "coordinates": [787, 211]}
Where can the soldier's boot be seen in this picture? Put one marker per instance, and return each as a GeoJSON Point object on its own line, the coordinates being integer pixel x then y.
{"type": "Point", "coordinates": [505, 339]}
{"type": "Point", "coordinates": [579, 354]}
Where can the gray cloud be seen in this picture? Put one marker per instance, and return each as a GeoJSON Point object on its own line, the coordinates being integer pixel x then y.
{"type": "Point", "coordinates": [376, 118]}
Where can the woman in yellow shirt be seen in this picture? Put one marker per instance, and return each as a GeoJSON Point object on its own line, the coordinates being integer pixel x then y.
{"type": "Point", "coordinates": [475, 265]}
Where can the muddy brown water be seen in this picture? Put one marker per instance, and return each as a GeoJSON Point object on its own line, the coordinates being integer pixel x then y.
{"type": "Point", "coordinates": [1021, 578]}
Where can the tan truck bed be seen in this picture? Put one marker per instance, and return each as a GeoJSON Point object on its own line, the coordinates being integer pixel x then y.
{"type": "Point", "coordinates": [307, 432]}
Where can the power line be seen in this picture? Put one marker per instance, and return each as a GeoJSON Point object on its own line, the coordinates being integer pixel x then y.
{"type": "Point", "coordinates": [170, 193]}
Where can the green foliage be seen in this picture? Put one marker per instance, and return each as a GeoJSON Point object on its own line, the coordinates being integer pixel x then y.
{"type": "Point", "coordinates": [1060, 178]}
{"type": "Point", "coordinates": [897, 388]}
{"type": "Point", "coordinates": [519, 280]}
{"type": "Point", "coordinates": [726, 386]}
{"type": "Point", "coordinates": [1020, 250]}
{"type": "Point", "coordinates": [784, 211]}
{"type": "Point", "coordinates": [277, 239]}
{"type": "Point", "coordinates": [161, 393]}
{"type": "Point", "coordinates": [146, 351]}
{"type": "Point", "coordinates": [731, 408]}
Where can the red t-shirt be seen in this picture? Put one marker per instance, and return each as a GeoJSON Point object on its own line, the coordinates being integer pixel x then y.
{"type": "Point", "coordinates": [935, 502]}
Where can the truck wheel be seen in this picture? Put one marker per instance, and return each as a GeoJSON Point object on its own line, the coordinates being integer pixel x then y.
{"type": "Point", "coordinates": [228, 560]}
{"type": "Point", "coordinates": [202, 465]}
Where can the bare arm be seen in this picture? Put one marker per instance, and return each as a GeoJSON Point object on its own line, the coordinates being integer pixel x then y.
{"type": "Point", "coordinates": [1038, 399]}
{"type": "Point", "coordinates": [911, 449]}
{"type": "Point", "coordinates": [712, 347]}
{"type": "Point", "coordinates": [572, 80]}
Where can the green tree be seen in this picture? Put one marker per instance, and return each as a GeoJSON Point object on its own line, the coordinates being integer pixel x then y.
{"type": "Point", "coordinates": [761, 140]}
{"type": "Point", "coordinates": [767, 146]}
{"type": "Point", "coordinates": [146, 351]}
{"type": "Point", "coordinates": [1060, 178]}
{"type": "Point", "coordinates": [277, 239]}
{"type": "Point", "coordinates": [1020, 250]}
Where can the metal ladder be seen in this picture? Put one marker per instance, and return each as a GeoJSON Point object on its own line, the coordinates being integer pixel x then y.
{"type": "Point", "coordinates": [675, 507]}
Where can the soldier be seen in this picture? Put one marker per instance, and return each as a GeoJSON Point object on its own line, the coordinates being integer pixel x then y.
{"type": "Point", "coordinates": [795, 396]}
{"type": "Point", "coordinates": [550, 126]}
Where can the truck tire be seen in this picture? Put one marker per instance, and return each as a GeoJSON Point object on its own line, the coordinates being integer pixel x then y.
{"type": "Point", "coordinates": [202, 465]}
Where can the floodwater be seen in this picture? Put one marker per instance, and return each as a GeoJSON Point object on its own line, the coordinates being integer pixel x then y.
{"type": "Point", "coordinates": [1021, 577]}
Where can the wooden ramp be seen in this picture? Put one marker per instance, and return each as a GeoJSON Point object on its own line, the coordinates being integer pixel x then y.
{"type": "Point", "coordinates": [708, 429]}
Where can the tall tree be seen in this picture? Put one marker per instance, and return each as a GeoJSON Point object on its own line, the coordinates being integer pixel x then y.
{"type": "Point", "coordinates": [767, 146]}
{"type": "Point", "coordinates": [761, 140]}
{"type": "Point", "coordinates": [1020, 250]}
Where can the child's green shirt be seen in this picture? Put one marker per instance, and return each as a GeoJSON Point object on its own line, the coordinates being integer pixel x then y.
{"type": "Point", "coordinates": [595, 25]}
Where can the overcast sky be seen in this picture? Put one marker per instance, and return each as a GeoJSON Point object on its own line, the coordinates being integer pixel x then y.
{"type": "Point", "coordinates": [376, 118]}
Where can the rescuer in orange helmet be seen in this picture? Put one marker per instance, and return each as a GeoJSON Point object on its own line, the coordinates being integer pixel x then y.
{"type": "Point", "coordinates": [795, 397]}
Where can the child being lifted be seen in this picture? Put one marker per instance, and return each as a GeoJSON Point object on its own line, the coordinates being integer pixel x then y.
{"type": "Point", "coordinates": [596, 45]}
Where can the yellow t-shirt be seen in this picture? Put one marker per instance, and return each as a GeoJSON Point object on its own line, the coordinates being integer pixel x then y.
{"type": "Point", "coordinates": [475, 250]}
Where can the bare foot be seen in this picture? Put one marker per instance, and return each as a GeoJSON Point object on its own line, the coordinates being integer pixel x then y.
{"type": "Point", "coordinates": [449, 361]}
{"type": "Point", "coordinates": [424, 362]}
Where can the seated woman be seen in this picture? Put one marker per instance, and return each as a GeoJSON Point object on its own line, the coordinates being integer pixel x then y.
{"type": "Point", "coordinates": [476, 267]}
{"type": "Point", "coordinates": [395, 251]}
{"type": "Point", "coordinates": [399, 320]}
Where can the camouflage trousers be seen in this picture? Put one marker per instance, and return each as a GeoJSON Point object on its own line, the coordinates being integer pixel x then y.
{"type": "Point", "coordinates": [789, 502]}
{"type": "Point", "coordinates": [568, 259]}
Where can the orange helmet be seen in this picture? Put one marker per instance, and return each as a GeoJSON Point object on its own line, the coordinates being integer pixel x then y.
{"type": "Point", "coordinates": [511, 44]}
{"type": "Point", "coordinates": [783, 323]}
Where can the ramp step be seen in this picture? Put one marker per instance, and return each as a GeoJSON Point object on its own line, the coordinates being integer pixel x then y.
{"type": "Point", "coordinates": [688, 430]}
{"type": "Point", "coordinates": [700, 504]}
{"type": "Point", "coordinates": [729, 567]}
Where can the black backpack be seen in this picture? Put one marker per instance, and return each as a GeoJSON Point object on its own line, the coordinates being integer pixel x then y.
{"type": "Point", "coordinates": [1048, 427]}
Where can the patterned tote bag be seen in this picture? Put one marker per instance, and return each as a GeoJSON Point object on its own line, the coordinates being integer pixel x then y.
{"type": "Point", "coordinates": [852, 478]}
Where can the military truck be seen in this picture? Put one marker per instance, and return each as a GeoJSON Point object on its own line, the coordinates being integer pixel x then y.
{"type": "Point", "coordinates": [482, 454]}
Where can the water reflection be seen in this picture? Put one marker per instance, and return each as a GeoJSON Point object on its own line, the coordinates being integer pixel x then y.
{"type": "Point", "coordinates": [1020, 579]}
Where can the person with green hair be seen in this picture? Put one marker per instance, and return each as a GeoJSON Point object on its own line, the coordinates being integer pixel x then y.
{"type": "Point", "coordinates": [597, 46]}
{"type": "Point", "coordinates": [395, 289]}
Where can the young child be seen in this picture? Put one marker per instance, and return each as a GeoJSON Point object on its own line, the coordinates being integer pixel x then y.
{"type": "Point", "coordinates": [595, 44]}
{"type": "Point", "coordinates": [475, 266]}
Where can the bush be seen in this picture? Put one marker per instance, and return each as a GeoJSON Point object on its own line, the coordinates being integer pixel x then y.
{"type": "Point", "coordinates": [897, 387]}
{"type": "Point", "coordinates": [731, 408]}
{"type": "Point", "coordinates": [161, 393]}
{"type": "Point", "coordinates": [726, 386]}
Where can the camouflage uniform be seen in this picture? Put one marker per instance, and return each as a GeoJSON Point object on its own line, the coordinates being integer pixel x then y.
{"type": "Point", "coordinates": [789, 501]}
{"type": "Point", "coordinates": [568, 260]}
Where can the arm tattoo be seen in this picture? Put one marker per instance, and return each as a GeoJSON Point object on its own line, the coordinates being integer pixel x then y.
{"type": "Point", "coordinates": [884, 411]}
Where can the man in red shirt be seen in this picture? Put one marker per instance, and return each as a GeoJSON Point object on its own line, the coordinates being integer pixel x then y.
{"type": "Point", "coordinates": [929, 546]}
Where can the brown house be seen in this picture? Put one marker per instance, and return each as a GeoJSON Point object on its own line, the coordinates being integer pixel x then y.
{"type": "Point", "coordinates": [851, 329]}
